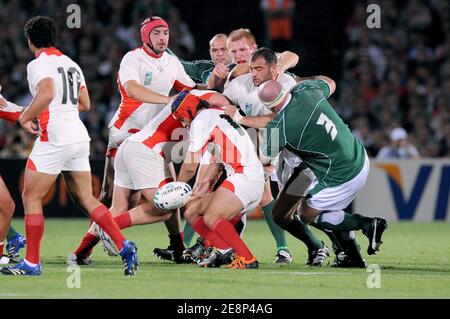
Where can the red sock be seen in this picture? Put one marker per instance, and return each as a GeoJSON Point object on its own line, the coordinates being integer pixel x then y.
{"type": "Point", "coordinates": [87, 244]}
{"type": "Point", "coordinates": [210, 236]}
{"type": "Point", "coordinates": [123, 220]}
{"type": "Point", "coordinates": [227, 232]}
{"type": "Point", "coordinates": [1, 248]}
{"type": "Point", "coordinates": [102, 216]}
{"type": "Point", "coordinates": [34, 230]}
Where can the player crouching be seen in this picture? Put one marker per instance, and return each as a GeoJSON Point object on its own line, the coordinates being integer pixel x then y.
{"type": "Point", "coordinates": [210, 214]}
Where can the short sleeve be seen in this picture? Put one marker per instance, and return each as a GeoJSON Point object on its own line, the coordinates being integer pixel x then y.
{"type": "Point", "coordinates": [183, 81]}
{"type": "Point", "coordinates": [38, 70]}
{"type": "Point", "coordinates": [324, 87]}
{"type": "Point", "coordinates": [129, 69]}
{"type": "Point", "coordinates": [199, 135]}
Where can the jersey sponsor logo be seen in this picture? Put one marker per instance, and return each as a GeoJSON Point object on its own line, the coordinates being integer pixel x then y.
{"type": "Point", "coordinates": [329, 125]}
{"type": "Point", "coordinates": [248, 108]}
{"type": "Point", "coordinates": [148, 78]}
{"type": "Point", "coordinates": [407, 205]}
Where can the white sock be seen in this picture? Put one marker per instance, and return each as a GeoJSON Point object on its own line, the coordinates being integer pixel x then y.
{"type": "Point", "coordinates": [29, 264]}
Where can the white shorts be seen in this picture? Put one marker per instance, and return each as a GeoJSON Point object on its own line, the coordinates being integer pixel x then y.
{"type": "Point", "coordinates": [249, 191]}
{"type": "Point", "coordinates": [115, 138]}
{"type": "Point", "coordinates": [139, 167]}
{"type": "Point", "coordinates": [339, 197]}
{"type": "Point", "coordinates": [50, 159]}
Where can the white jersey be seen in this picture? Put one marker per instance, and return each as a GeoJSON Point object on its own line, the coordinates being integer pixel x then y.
{"type": "Point", "coordinates": [161, 133]}
{"type": "Point", "coordinates": [243, 93]}
{"type": "Point", "coordinates": [229, 143]}
{"type": "Point", "coordinates": [159, 74]}
{"type": "Point", "coordinates": [60, 122]}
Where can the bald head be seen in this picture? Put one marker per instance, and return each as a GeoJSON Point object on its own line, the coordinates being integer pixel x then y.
{"type": "Point", "coordinates": [272, 94]}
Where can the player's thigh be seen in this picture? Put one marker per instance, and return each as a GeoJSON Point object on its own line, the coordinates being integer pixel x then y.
{"type": "Point", "coordinates": [223, 204]}
{"type": "Point", "coordinates": [149, 205]}
{"type": "Point", "coordinates": [36, 184]}
{"type": "Point", "coordinates": [285, 206]}
{"type": "Point", "coordinates": [121, 199]}
{"type": "Point", "coordinates": [267, 195]}
{"type": "Point", "coordinates": [6, 202]}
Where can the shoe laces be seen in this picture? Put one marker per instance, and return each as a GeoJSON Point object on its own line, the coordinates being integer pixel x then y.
{"type": "Point", "coordinates": [238, 262]}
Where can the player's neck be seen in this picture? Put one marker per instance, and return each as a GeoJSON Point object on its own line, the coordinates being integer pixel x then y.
{"type": "Point", "coordinates": [38, 51]}
{"type": "Point", "coordinates": [151, 52]}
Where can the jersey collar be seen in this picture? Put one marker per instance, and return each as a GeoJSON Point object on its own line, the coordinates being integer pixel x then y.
{"type": "Point", "coordinates": [286, 103]}
{"type": "Point", "coordinates": [49, 51]}
{"type": "Point", "coordinates": [152, 54]}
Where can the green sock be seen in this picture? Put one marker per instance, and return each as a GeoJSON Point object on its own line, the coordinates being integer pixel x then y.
{"type": "Point", "coordinates": [11, 233]}
{"type": "Point", "coordinates": [188, 234]}
{"type": "Point", "coordinates": [341, 221]}
{"type": "Point", "coordinates": [297, 228]}
{"type": "Point", "coordinates": [277, 232]}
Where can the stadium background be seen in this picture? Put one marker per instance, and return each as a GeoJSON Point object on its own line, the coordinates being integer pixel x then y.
{"type": "Point", "coordinates": [396, 75]}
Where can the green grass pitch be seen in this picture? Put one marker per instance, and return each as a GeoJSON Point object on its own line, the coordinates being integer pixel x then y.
{"type": "Point", "coordinates": [414, 262]}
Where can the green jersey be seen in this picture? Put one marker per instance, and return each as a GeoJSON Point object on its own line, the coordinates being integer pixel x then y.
{"type": "Point", "coordinates": [200, 70]}
{"type": "Point", "coordinates": [309, 127]}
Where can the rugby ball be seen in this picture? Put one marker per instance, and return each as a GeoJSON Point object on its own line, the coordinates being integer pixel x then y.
{"type": "Point", "coordinates": [172, 195]}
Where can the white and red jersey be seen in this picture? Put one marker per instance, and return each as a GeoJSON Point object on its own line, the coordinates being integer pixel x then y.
{"type": "Point", "coordinates": [60, 123]}
{"type": "Point", "coordinates": [160, 133]}
{"type": "Point", "coordinates": [11, 112]}
{"type": "Point", "coordinates": [230, 144]}
{"type": "Point", "coordinates": [243, 93]}
{"type": "Point", "coordinates": [157, 73]}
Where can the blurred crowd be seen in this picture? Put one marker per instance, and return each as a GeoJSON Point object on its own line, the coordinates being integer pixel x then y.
{"type": "Point", "coordinates": [396, 76]}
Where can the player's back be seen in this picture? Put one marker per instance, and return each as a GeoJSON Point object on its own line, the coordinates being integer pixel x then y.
{"type": "Point", "coordinates": [232, 144]}
{"type": "Point", "coordinates": [60, 122]}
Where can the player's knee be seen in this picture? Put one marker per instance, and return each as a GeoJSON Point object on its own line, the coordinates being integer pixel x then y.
{"type": "Point", "coordinates": [210, 219]}
{"type": "Point", "coordinates": [307, 218]}
{"type": "Point", "coordinates": [7, 209]}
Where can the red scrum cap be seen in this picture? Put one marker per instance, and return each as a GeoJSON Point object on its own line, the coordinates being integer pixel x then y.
{"type": "Point", "coordinates": [148, 25]}
{"type": "Point", "coordinates": [185, 105]}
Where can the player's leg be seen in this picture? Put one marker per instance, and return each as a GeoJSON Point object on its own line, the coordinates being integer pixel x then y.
{"type": "Point", "coordinates": [36, 187]}
{"type": "Point", "coordinates": [325, 207]}
{"type": "Point", "coordinates": [106, 191]}
{"type": "Point", "coordinates": [267, 203]}
{"type": "Point", "coordinates": [101, 215]}
{"type": "Point", "coordinates": [7, 207]}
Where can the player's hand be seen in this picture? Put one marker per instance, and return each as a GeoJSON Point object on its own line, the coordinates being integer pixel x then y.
{"type": "Point", "coordinates": [30, 127]}
{"type": "Point", "coordinates": [3, 103]}
{"type": "Point", "coordinates": [230, 110]}
{"type": "Point", "coordinates": [221, 71]}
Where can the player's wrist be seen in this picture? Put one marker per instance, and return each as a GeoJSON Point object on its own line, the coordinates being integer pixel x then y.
{"type": "Point", "coordinates": [237, 117]}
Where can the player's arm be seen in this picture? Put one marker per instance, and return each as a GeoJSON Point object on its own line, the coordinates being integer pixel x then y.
{"type": "Point", "coordinates": [287, 60]}
{"type": "Point", "coordinates": [238, 70]}
{"type": "Point", "coordinates": [189, 166]}
{"type": "Point", "coordinates": [209, 176]}
{"type": "Point", "coordinates": [326, 79]}
{"type": "Point", "coordinates": [45, 92]}
{"type": "Point", "coordinates": [142, 94]}
{"type": "Point", "coordinates": [218, 77]}
{"type": "Point", "coordinates": [84, 102]}
{"type": "Point", "coordinates": [250, 121]}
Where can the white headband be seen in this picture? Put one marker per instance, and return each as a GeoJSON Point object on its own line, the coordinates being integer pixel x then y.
{"type": "Point", "coordinates": [277, 100]}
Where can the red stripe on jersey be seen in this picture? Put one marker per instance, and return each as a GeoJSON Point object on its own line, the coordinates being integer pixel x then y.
{"type": "Point", "coordinates": [229, 152]}
{"type": "Point", "coordinates": [133, 130]}
{"type": "Point", "coordinates": [43, 119]}
{"type": "Point", "coordinates": [111, 152]}
{"type": "Point", "coordinates": [166, 181]}
{"type": "Point", "coordinates": [30, 165]}
{"type": "Point", "coordinates": [163, 132]}
{"type": "Point", "coordinates": [12, 117]}
{"type": "Point", "coordinates": [150, 53]}
{"type": "Point", "coordinates": [177, 85]}
{"type": "Point", "coordinates": [228, 185]}
{"type": "Point", "coordinates": [127, 106]}
{"type": "Point", "coordinates": [50, 51]}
